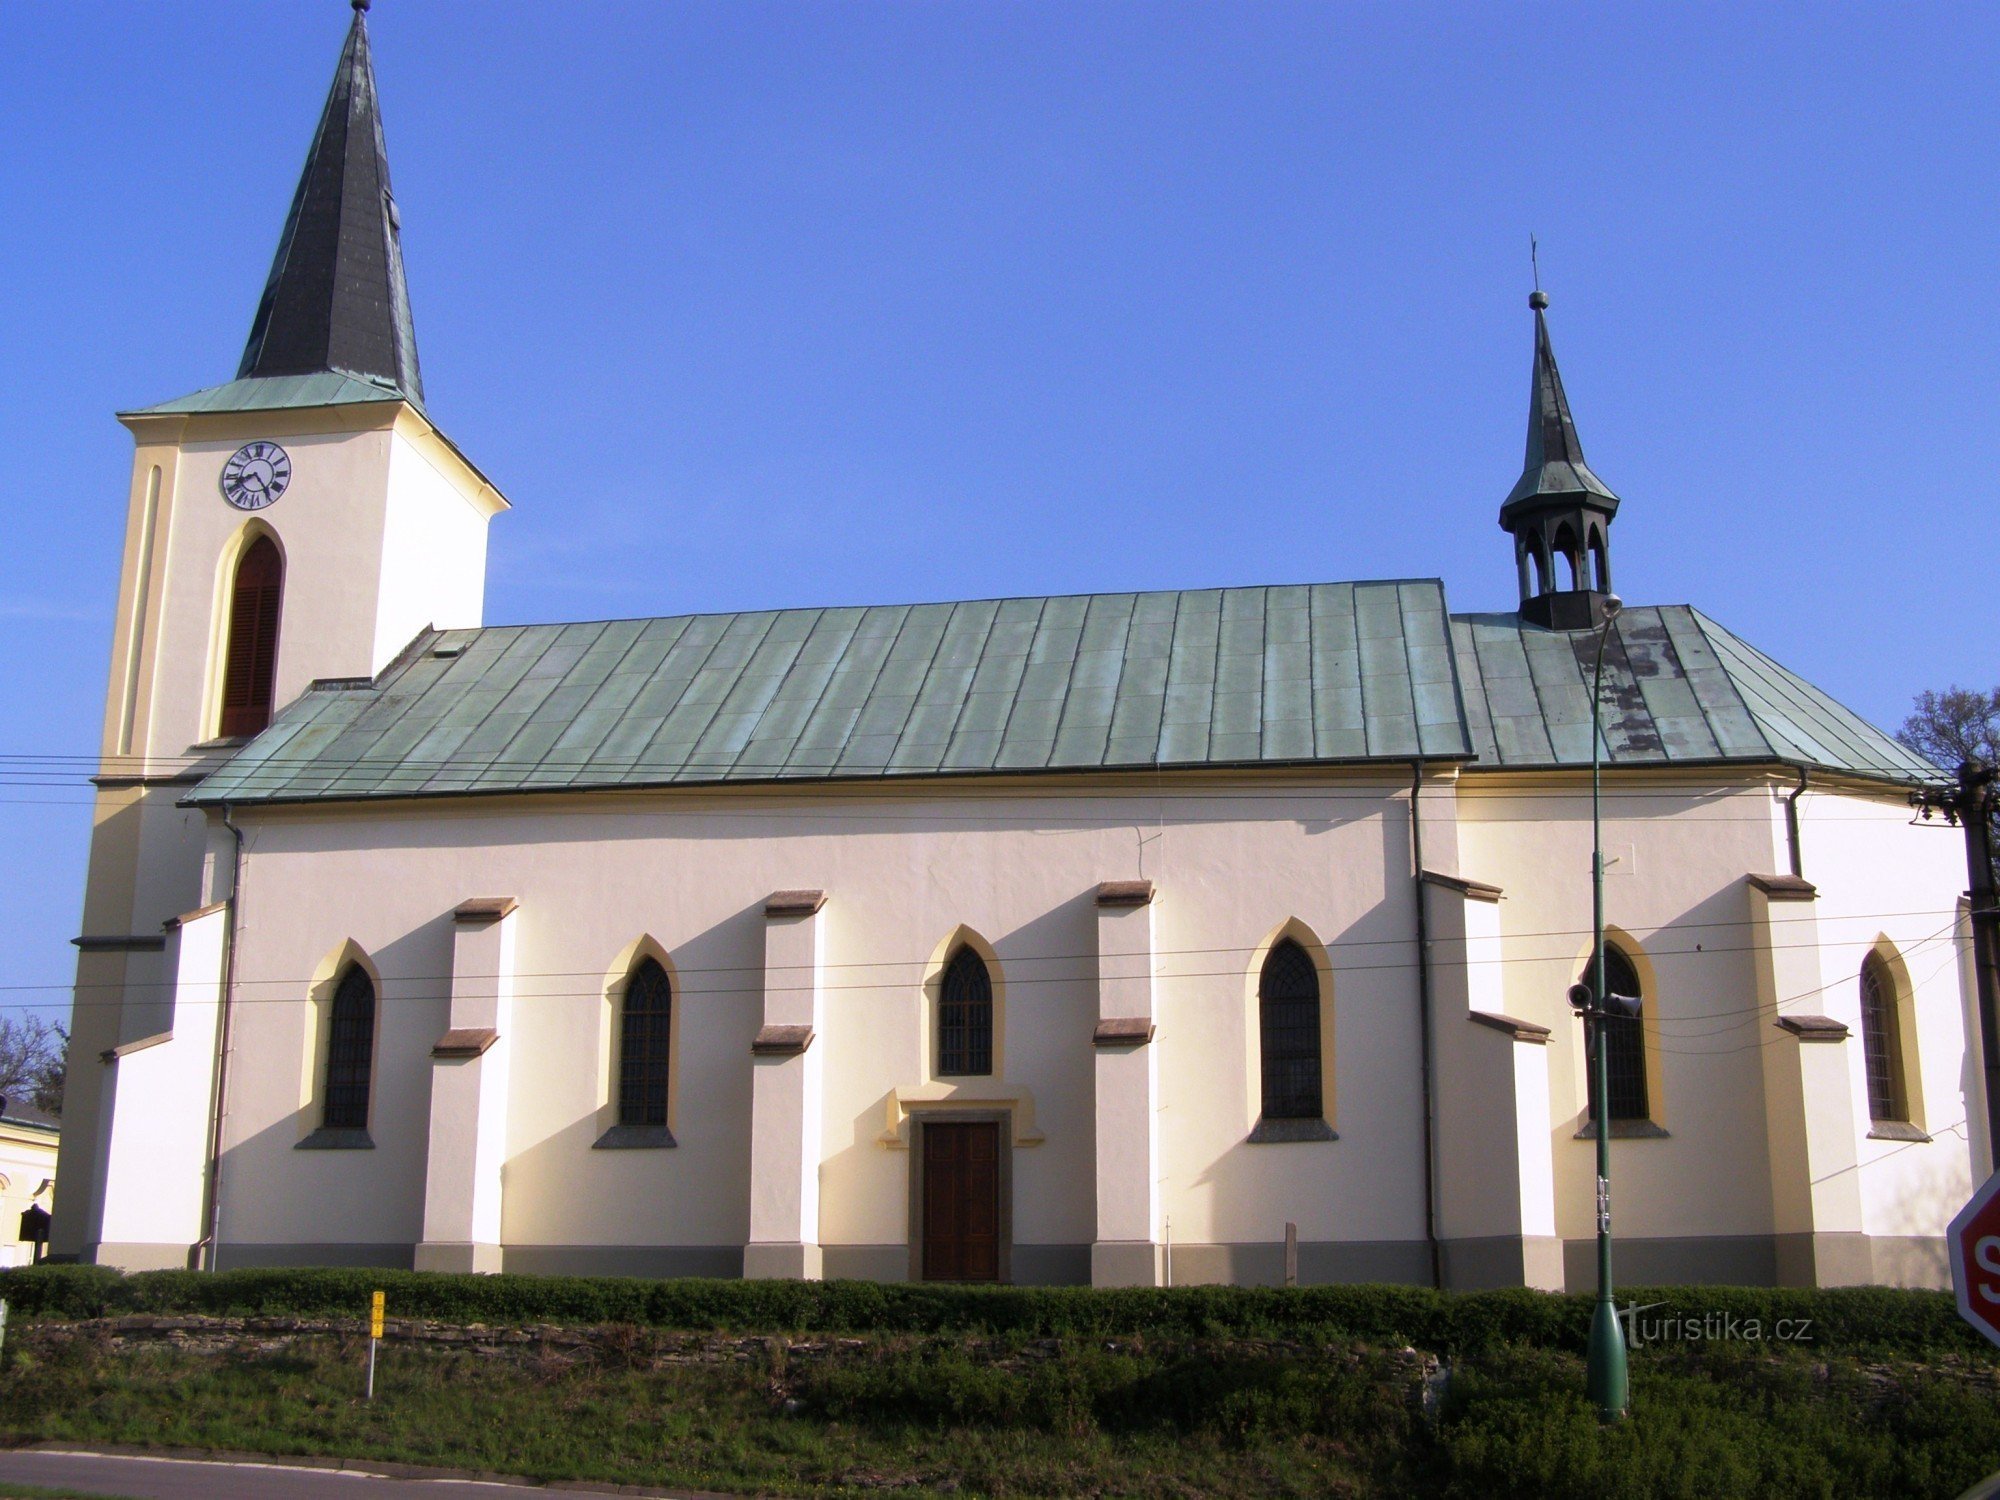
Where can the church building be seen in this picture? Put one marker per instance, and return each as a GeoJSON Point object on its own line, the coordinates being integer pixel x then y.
{"type": "Point", "coordinates": [1114, 939]}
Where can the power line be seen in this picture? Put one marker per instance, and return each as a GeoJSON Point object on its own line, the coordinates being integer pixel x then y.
{"type": "Point", "coordinates": [609, 980]}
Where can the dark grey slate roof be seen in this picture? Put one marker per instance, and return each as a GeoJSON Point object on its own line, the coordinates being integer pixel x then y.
{"type": "Point", "coordinates": [336, 299]}
{"type": "Point", "coordinates": [1553, 466]}
{"type": "Point", "coordinates": [1340, 672]}
{"type": "Point", "coordinates": [1677, 688]}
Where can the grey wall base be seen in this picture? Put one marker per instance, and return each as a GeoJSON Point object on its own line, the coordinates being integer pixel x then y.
{"type": "Point", "coordinates": [1125, 1263]}
{"type": "Point", "coordinates": [390, 1257]}
{"type": "Point", "coordinates": [625, 1260]}
{"type": "Point", "coordinates": [458, 1255]}
{"type": "Point", "coordinates": [1320, 1263]}
{"type": "Point", "coordinates": [1501, 1261]}
{"type": "Point", "coordinates": [1033, 1265]}
{"type": "Point", "coordinates": [781, 1261]}
{"type": "Point", "coordinates": [1765, 1260]}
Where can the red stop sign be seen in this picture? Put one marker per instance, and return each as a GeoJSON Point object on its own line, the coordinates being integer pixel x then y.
{"type": "Point", "coordinates": [1974, 1238]}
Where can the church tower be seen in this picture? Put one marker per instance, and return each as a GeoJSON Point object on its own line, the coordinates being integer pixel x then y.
{"type": "Point", "coordinates": [305, 520]}
{"type": "Point", "coordinates": [1558, 511]}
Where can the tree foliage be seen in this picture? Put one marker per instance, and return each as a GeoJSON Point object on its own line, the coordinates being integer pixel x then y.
{"type": "Point", "coordinates": [32, 1053]}
{"type": "Point", "coordinates": [1952, 727]}
{"type": "Point", "coordinates": [1958, 724]}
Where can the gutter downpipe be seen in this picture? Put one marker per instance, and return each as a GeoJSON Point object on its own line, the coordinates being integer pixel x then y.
{"type": "Point", "coordinates": [1792, 823]}
{"type": "Point", "coordinates": [212, 1215]}
{"type": "Point", "coordinates": [1424, 1019]}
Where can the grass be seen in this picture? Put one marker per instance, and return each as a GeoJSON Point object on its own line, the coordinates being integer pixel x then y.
{"type": "Point", "coordinates": [904, 1416]}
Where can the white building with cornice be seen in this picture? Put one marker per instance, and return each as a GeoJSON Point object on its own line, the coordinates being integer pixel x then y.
{"type": "Point", "coordinates": [1114, 939]}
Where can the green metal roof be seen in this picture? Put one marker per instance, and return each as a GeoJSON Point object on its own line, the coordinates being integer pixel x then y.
{"type": "Point", "coordinates": [1677, 688]}
{"type": "Point", "coordinates": [1300, 674]}
{"type": "Point", "coordinates": [1304, 673]}
{"type": "Point", "coordinates": [281, 393]}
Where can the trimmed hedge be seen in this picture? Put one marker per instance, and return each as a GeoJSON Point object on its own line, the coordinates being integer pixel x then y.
{"type": "Point", "coordinates": [1843, 1319]}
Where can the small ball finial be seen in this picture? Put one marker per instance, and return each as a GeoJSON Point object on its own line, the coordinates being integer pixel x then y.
{"type": "Point", "coordinates": [1538, 299]}
{"type": "Point", "coordinates": [360, 6]}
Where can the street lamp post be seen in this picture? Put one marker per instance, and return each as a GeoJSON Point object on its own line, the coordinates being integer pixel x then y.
{"type": "Point", "coordinates": [1606, 1378]}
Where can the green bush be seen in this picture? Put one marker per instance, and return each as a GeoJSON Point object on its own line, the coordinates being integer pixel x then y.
{"type": "Point", "coordinates": [1842, 1320]}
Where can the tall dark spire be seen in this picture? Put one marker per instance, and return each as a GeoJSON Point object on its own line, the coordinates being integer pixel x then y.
{"type": "Point", "coordinates": [336, 299]}
{"type": "Point", "coordinates": [1558, 511]}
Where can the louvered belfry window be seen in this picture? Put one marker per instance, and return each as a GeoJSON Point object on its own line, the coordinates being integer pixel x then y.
{"type": "Point", "coordinates": [351, 1053]}
{"type": "Point", "coordinates": [1624, 1040]}
{"type": "Point", "coordinates": [1881, 1045]}
{"type": "Point", "coordinates": [251, 662]}
{"type": "Point", "coordinates": [965, 1017]}
{"type": "Point", "coordinates": [1288, 1031]}
{"type": "Point", "coordinates": [645, 1043]}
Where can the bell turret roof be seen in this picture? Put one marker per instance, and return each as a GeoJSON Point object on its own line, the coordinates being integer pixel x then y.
{"type": "Point", "coordinates": [1554, 470]}
{"type": "Point", "coordinates": [336, 300]}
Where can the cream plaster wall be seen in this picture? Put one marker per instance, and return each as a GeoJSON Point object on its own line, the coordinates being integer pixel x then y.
{"type": "Point", "coordinates": [903, 870]}
{"type": "Point", "coordinates": [1683, 903]}
{"type": "Point", "coordinates": [1882, 882]}
{"type": "Point", "coordinates": [1677, 895]}
{"type": "Point", "coordinates": [382, 528]}
{"type": "Point", "coordinates": [27, 1160]}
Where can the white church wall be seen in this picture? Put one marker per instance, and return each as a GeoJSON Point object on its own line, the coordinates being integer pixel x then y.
{"type": "Point", "coordinates": [903, 870]}
{"type": "Point", "coordinates": [433, 547]}
{"type": "Point", "coordinates": [1885, 886]}
{"type": "Point", "coordinates": [1674, 892]}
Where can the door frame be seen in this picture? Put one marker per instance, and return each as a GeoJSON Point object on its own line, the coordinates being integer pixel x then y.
{"type": "Point", "coordinates": [1003, 1121]}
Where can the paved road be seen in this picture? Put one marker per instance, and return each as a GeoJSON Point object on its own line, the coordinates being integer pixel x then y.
{"type": "Point", "coordinates": [186, 1479]}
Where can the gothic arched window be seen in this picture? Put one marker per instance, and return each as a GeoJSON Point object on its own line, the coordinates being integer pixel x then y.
{"type": "Point", "coordinates": [1624, 1039]}
{"type": "Point", "coordinates": [1882, 1043]}
{"type": "Point", "coordinates": [250, 660]}
{"type": "Point", "coordinates": [350, 1053]}
{"type": "Point", "coordinates": [965, 1017]}
{"type": "Point", "coordinates": [645, 1046]}
{"type": "Point", "coordinates": [1288, 1023]}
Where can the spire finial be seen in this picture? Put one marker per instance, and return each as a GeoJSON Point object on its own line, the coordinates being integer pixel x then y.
{"type": "Point", "coordinates": [337, 300]}
{"type": "Point", "coordinates": [1537, 299]}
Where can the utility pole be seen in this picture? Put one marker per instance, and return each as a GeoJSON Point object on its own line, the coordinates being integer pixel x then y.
{"type": "Point", "coordinates": [1605, 1374]}
{"type": "Point", "coordinates": [1970, 804]}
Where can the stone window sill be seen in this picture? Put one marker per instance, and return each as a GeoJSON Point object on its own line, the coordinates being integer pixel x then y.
{"type": "Point", "coordinates": [1895, 1130]}
{"type": "Point", "coordinates": [1272, 1131]}
{"type": "Point", "coordinates": [635, 1138]}
{"type": "Point", "coordinates": [332, 1138]}
{"type": "Point", "coordinates": [1625, 1130]}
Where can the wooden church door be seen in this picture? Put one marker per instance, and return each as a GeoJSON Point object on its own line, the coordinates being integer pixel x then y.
{"type": "Point", "coordinates": [961, 1208]}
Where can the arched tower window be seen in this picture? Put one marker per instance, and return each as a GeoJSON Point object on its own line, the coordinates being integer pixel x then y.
{"type": "Point", "coordinates": [250, 662]}
{"type": "Point", "coordinates": [645, 1046]}
{"type": "Point", "coordinates": [350, 1053]}
{"type": "Point", "coordinates": [1288, 1033]}
{"type": "Point", "coordinates": [1882, 1043]}
{"type": "Point", "coordinates": [1624, 1039]}
{"type": "Point", "coordinates": [965, 1017]}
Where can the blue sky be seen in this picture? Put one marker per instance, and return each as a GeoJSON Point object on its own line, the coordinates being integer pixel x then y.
{"type": "Point", "coordinates": [748, 305]}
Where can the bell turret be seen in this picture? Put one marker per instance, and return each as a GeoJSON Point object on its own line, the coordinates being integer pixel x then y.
{"type": "Point", "coordinates": [1558, 512]}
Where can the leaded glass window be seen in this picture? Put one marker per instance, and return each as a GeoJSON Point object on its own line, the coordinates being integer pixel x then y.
{"type": "Point", "coordinates": [1882, 1043]}
{"type": "Point", "coordinates": [1288, 1030]}
{"type": "Point", "coordinates": [1624, 1039]}
{"type": "Point", "coordinates": [645, 1042]}
{"type": "Point", "coordinates": [965, 1017]}
{"type": "Point", "coordinates": [350, 1055]}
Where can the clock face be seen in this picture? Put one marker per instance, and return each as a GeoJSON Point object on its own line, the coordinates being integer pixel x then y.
{"type": "Point", "coordinates": [256, 475]}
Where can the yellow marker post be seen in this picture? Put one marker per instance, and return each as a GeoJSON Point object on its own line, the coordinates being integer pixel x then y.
{"type": "Point", "coordinates": [374, 1338]}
